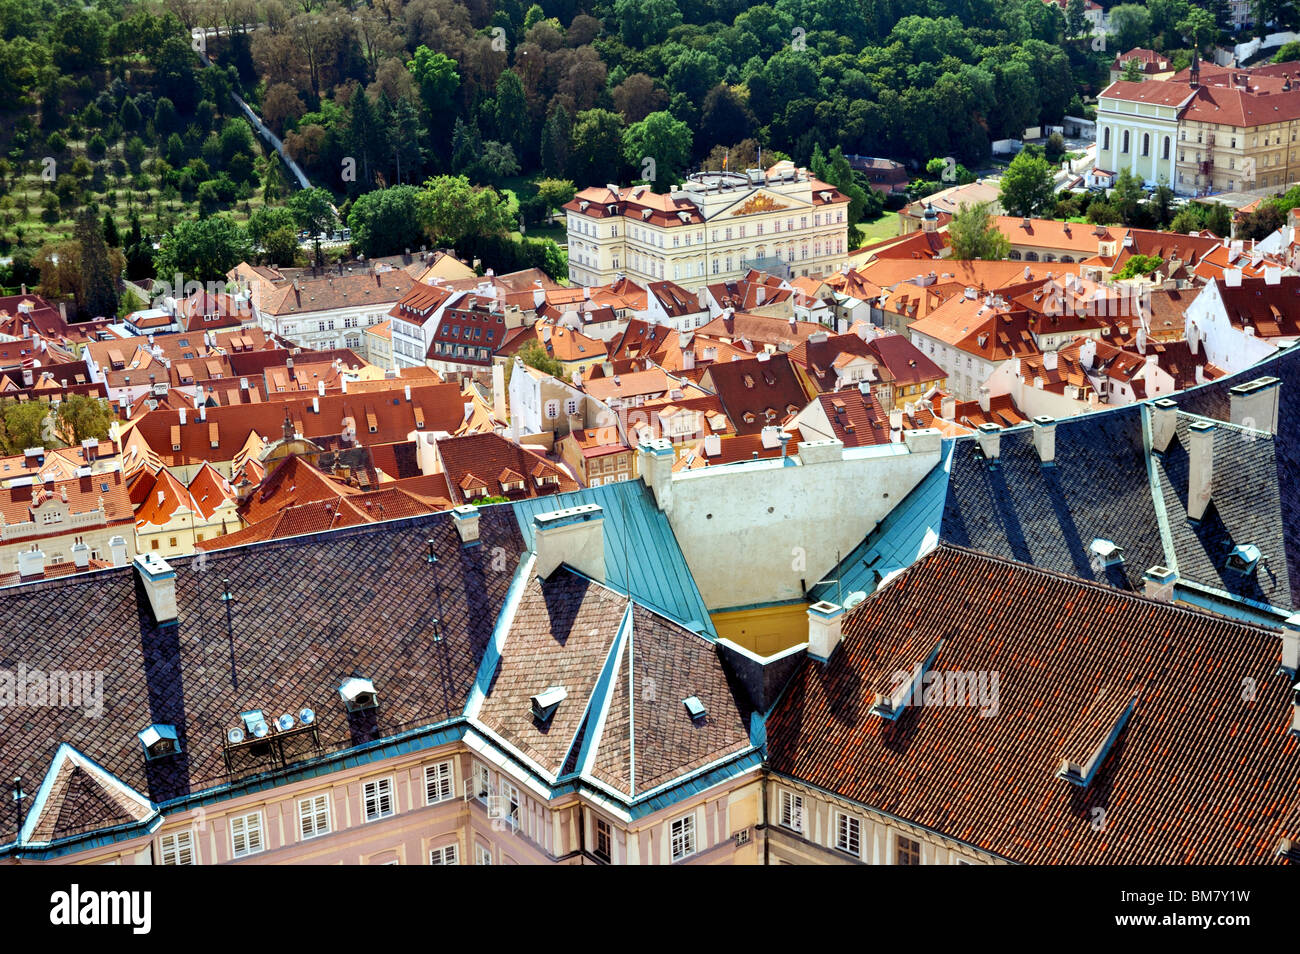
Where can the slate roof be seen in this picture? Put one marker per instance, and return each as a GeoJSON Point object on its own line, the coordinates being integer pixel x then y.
{"type": "Point", "coordinates": [307, 613]}
{"type": "Point", "coordinates": [1196, 776]}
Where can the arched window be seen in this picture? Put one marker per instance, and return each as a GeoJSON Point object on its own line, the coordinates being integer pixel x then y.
{"type": "Point", "coordinates": [1146, 144]}
{"type": "Point", "coordinates": [1105, 138]}
{"type": "Point", "coordinates": [1067, 258]}
{"type": "Point", "coordinates": [1013, 255]}
{"type": "Point", "coordinates": [1165, 151]}
{"type": "Point", "coordinates": [1124, 142]}
{"type": "Point", "coordinates": [1031, 256]}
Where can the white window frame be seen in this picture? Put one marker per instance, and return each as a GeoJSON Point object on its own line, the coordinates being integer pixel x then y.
{"type": "Point", "coordinates": [848, 825]}
{"type": "Point", "coordinates": [173, 845]}
{"type": "Point", "coordinates": [482, 854]}
{"type": "Point", "coordinates": [317, 807]}
{"type": "Point", "coordinates": [378, 783]}
{"type": "Point", "coordinates": [443, 777]}
{"type": "Point", "coordinates": [482, 782]}
{"type": "Point", "coordinates": [609, 839]}
{"type": "Point", "coordinates": [250, 825]}
{"type": "Point", "coordinates": [790, 810]}
{"type": "Point", "coordinates": [445, 855]}
{"type": "Point", "coordinates": [681, 837]}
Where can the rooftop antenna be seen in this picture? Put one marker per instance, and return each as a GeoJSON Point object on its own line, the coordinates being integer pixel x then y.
{"type": "Point", "coordinates": [19, 795]}
{"type": "Point", "coordinates": [839, 584]}
{"type": "Point", "coordinates": [627, 567]}
{"type": "Point", "coordinates": [228, 598]}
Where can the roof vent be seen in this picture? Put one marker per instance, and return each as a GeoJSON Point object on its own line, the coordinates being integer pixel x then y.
{"type": "Point", "coordinates": [546, 702]}
{"type": "Point", "coordinates": [1107, 552]}
{"type": "Point", "coordinates": [1091, 738]}
{"type": "Point", "coordinates": [694, 708]}
{"type": "Point", "coordinates": [358, 694]}
{"type": "Point", "coordinates": [159, 741]}
{"type": "Point", "coordinates": [1243, 558]}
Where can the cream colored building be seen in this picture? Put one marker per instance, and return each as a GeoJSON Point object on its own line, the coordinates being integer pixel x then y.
{"type": "Point", "coordinates": [1137, 128]}
{"type": "Point", "coordinates": [715, 227]}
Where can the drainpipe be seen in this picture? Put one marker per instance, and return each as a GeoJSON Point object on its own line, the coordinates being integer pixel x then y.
{"type": "Point", "coordinates": [763, 817]}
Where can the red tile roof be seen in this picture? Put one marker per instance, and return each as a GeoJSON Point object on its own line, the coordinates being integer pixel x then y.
{"type": "Point", "coordinates": [474, 464]}
{"type": "Point", "coordinates": [757, 392]}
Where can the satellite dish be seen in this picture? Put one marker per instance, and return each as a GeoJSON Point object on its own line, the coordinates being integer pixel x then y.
{"type": "Point", "coordinates": [306, 716]}
{"type": "Point", "coordinates": [260, 730]}
{"type": "Point", "coordinates": [235, 736]}
{"type": "Point", "coordinates": [284, 723]}
{"type": "Point", "coordinates": [854, 598]}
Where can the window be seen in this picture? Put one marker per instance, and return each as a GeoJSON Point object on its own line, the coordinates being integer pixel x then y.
{"type": "Point", "coordinates": [482, 782]}
{"type": "Point", "coordinates": [246, 834]}
{"type": "Point", "coordinates": [445, 855]}
{"type": "Point", "coordinates": [379, 799]}
{"type": "Point", "coordinates": [314, 816]}
{"type": "Point", "coordinates": [177, 848]}
{"type": "Point", "coordinates": [437, 783]}
{"type": "Point", "coordinates": [510, 802]}
{"type": "Point", "coordinates": [848, 834]}
{"type": "Point", "coordinates": [791, 811]}
{"type": "Point", "coordinates": [604, 840]}
{"type": "Point", "coordinates": [906, 851]}
{"type": "Point", "coordinates": [482, 855]}
{"type": "Point", "coordinates": [682, 833]}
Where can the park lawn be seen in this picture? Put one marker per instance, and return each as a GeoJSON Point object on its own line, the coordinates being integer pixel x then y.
{"type": "Point", "coordinates": [882, 228]}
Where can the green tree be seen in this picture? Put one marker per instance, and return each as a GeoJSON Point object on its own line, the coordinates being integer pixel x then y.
{"type": "Point", "coordinates": [99, 294]}
{"type": "Point", "coordinates": [595, 155]}
{"type": "Point", "coordinates": [111, 236]}
{"type": "Point", "coordinates": [974, 234]}
{"type": "Point", "coordinates": [1133, 71]}
{"type": "Point", "coordinates": [452, 209]}
{"type": "Point", "coordinates": [386, 221]}
{"type": "Point", "coordinates": [204, 249]}
{"type": "Point", "coordinates": [643, 23]}
{"type": "Point", "coordinates": [1139, 265]}
{"type": "Point", "coordinates": [555, 192]}
{"type": "Point", "coordinates": [1027, 185]}
{"type": "Point", "coordinates": [313, 210]}
{"type": "Point", "coordinates": [1126, 197]}
{"type": "Point", "coordinates": [82, 418]}
{"type": "Point", "coordinates": [1200, 27]}
{"type": "Point", "coordinates": [1075, 20]}
{"type": "Point", "coordinates": [1130, 25]}
{"type": "Point", "coordinates": [663, 139]}
{"type": "Point", "coordinates": [23, 425]}
{"type": "Point", "coordinates": [556, 135]}
{"type": "Point", "coordinates": [510, 111]}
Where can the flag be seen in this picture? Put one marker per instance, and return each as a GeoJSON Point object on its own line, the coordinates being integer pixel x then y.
{"type": "Point", "coordinates": [726, 156]}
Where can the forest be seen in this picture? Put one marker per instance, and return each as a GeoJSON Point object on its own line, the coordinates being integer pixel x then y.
{"type": "Point", "coordinates": [398, 108]}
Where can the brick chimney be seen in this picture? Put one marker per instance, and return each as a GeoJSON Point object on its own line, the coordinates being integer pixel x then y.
{"type": "Point", "coordinates": [1158, 583]}
{"type": "Point", "coordinates": [1045, 438]}
{"type": "Point", "coordinates": [574, 536]}
{"type": "Point", "coordinates": [1255, 404]}
{"type": "Point", "coordinates": [1200, 474]}
{"type": "Point", "coordinates": [158, 580]}
{"type": "Point", "coordinates": [825, 621]}
{"type": "Point", "coordinates": [1164, 420]}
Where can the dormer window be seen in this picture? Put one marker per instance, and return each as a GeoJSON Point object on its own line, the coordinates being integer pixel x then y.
{"type": "Point", "coordinates": [1091, 739]}
{"type": "Point", "coordinates": [545, 703]}
{"type": "Point", "coordinates": [1243, 558]}
{"type": "Point", "coordinates": [1107, 552]}
{"type": "Point", "coordinates": [358, 694]}
{"type": "Point", "coordinates": [159, 741]}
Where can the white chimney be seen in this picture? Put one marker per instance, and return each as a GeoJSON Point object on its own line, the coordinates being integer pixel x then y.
{"type": "Point", "coordinates": [948, 407]}
{"type": "Point", "coordinates": [1255, 404]}
{"type": "Point", "coordinates": [408, 393]}
{"type": "Point", "coordinates": [825, 623]}
{"type": "Point", "coordinates": [1232, 277]}
{"type": "Point", "coordinates": [159, 582]}
{"type": "Point", "coordinates": [1158, 583]}
{"type": "Point", "coordinates": [117, 549]}
{"type": "Point", "coordinates": [203, 412]}
{"type": "Point", "coordinates": [984, 399]}
{"type": "Point", "coordinates": [1272, 275]}
{"type": "Point", "coordinates": [320, 388]}
{"type": "Point", "coordinates": [181, 412]}
{"type": "Point", "coordinates": [466, 519]}
{"type": "Point", "coordinates": [575, 537]}
{"type": "Point", "coordinates": [655, 463]}
{"type": "Point", "coordinates": [1050, 359]}
{"type": "Point", "coordinates": [1045, 438]}
{"type": "Point", "coordinates": [315, 405]}
{"type": "Point", "coordinates": [1164, 420]}
{"type": "Point", "coordinates": [989, 436]}
{"type": "Point", "coordinates": [31, 563]}
{"type": "Point", "coordinates": [1200, 476]}
{"type": "Point", "coordinates": [1291, 644]}
{"type": "Point", "coordinates": [81, 556]}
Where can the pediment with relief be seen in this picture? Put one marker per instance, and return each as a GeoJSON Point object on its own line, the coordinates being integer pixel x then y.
{"type": "Point", "coordinates": [761, 202]}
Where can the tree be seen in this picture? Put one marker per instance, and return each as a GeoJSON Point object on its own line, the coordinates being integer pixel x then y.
{"type": "Point", "coordinates": [974, 234]}
{"type": "Point", "coordinates": [23, 425]}
{"type": "Point", "coordinates": [1126, 196]}
{"type": "Point", "coordinates": [1130, 24]}
{"type": "Point", "coordinates": [510, 110]}
{"type": "Point", "coordinates": [1200, 27]}
{"type": "Point", "coordinates": [663, 139]}
{"type": "Point", "coordinates": [1027, 185]}
{"type": "Point", "coordinates": [1261, 223]}
{"type": "Point", "coordinates": [1139, 265]}
{"type": "Point", "coordinates": [99, 298]}
{"type": "Point", "coordinates": [638, 96]}
{"type": "Point", "coordinates": [555, 193]}
{"type": "Point", "coordinates": [452, 209]}
{"type": "Point", "coordinates": [1075, 19]}
{"type": "Point", "coordinates": [1133, 71]}
{"type": "Point", "coordinates": [595, 154]}
{"type": "Point", "coordinates": [203, 249]}
{"type": "Point", "coordinates": [386, 221]}
{"type": "Point", "coordinates": [556, 135]}
{"type": "Point", "coordinates": [496, 162]}
{"type": "Point", "coordinates": [1219, 220]}
{"type": "Point", "coordinates": [643, 23]}
{"type": "Point", "coordinates": [275, 230]}
{"type": "Point", "coordinates": [313, 211]}
{"type": "Point", "coordinates": [111, 237]}
{"type": "Point", "coordinates": [82, 418]}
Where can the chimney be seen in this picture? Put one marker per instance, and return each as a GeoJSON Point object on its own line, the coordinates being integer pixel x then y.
{"type": "Point", "coordinates": [1200, 477]}
{"type": "Point", "coordinates": [825, 620]}
{"type": "Point", "coordinates": [1291, 644]}
{"type": "Point", "coordinates": [320, 388]}
{"type": "Point", "coordinates": [1164, 419]}
{"type": "Point", "coordinates": [159, 582]}
{"type": "Point", "coordinates": [989, 436]}
{"type": "Point", "coordinates": [90, 449]}
{"type": "Point", "coordinates": [948, 407]}
{"type": "Point", "coordinates": [984, 399]}
{"type": "Point", "coordinates": [574, 536]}
{"type": "Point", "coordinates": [466, 519]}
{"type": "Point", "coordinates": [181, 413]}
{"type": "Point", "coordinates": [1050, 361]}
{"type": "Point", "coordinates": [117, 549]}
{"type": "Point", "coordinates": [31, 563]}
{"type": "Point", "coordinates": [1045, 438]}
{"type": "Point", "coordinates": [81, 556]}
{"type": "Point", "coordinates": [655, 463]}
{"type": "Point", "coordinates": [315, 405]}
{"type": "Point", "coordinates": [408, 393]}
{"type": "Point", "coordinates": [1141, 340]}
{"type": "Point", "coordinates": [1158, 583]}
{"type": "Point", "coordinates": [1255, 404]}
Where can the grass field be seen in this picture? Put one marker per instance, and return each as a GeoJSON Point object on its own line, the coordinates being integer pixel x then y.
{"type": "Point", "coordinates": [882, 228]}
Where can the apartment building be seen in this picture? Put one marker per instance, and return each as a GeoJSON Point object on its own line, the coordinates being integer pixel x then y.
{"type": "Point", "coordinates": [716, 226]}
